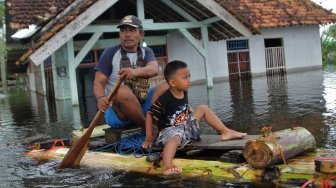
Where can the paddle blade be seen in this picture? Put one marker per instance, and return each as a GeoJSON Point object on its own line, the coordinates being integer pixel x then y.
{"type": "Point", "coordinates": [74, 155]}
{"type": "Point", "coordinates": [78, 149]}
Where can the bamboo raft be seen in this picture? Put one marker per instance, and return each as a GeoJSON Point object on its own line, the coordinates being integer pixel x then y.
{"type": "Point", "coordinates": [318, 165]}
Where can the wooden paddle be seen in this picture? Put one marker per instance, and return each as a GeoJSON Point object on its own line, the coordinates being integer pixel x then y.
{"type": "Point", "coordinates": [78, 149]}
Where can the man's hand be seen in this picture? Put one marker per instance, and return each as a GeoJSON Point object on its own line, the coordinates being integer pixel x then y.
{"type": "Point", "coordinates": [128, 73]}
{"type": "Point", "coordinates": [102, 104]}
{"type": "Point", "coordinates": [148, 142]}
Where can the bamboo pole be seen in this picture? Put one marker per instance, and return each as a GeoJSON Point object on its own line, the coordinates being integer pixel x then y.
{"type": "Point", "coordinates": [278, 147]}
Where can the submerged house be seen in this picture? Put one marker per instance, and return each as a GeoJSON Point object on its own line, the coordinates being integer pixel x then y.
{"type": "Point", "coordinates": [217, 38]}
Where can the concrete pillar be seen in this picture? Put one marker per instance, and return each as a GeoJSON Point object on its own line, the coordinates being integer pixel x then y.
{"type": "Point", "coordinates": [31, 77]}
{"type": "Point", "coordinates": [207, 63]}
{"type": "Point", "coordinates": [36, 78]}
{"type": "Point", "coordinates": [64, 73]}
{"type": "Point", "coordinates": [43, 80]}
{"type": "Point", "coordinates": [72, 72]}
{"type": "Point", "coordinates": [61, 74]}
{"type": "Point", "coordinates": [140, 9]}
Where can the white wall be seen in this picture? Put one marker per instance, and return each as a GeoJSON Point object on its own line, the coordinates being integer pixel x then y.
{"type": "Point", "coordinates": [257, 54]}
{"type": "Point", "coordinates": [303, 47]}
{"type": "Point", "coordinates": [301, 43]}
{"type": "Point", "coordinates": [180, 49]}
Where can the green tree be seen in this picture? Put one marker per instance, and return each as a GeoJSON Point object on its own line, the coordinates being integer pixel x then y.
{"type": "Point", "coordinates": [2, 47]}
{"type": "Point", "coordinates": [328, 42]}
{"type": "Point", "coordinates": [2, 13]}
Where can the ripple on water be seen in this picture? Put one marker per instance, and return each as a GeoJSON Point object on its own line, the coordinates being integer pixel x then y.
{"type": "Point", "coordinates": [302, 99]}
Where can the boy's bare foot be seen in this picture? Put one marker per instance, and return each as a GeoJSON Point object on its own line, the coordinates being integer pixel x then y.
{"type": "Point", "coordinates": [172, 171]}
{"type": "Point", "coordinates": [231, 134]}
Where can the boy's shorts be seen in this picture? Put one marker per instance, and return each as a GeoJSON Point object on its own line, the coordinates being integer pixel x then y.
{"type": "Point", "coordinates": [113, 120]}
{"type": "Point", "coordinates": [187, 133]}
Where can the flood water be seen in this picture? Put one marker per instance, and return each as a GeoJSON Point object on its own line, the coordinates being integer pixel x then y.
{"type": "Point", "coordinates": [306, 99]}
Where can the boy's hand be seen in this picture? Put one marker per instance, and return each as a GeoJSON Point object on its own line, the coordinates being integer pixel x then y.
{"type": "Point", "coordinates": [148, 143]}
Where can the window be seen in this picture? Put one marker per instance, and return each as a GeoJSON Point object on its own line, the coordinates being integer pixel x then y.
{"type": "Point", "coordinates": [275, 42]}
{"type": "Point", "coordinates": [237, 45]}
{"type": "Point", "coordinates": [159, 51]}
{"type": "Point", "coordinates": [238, 59]}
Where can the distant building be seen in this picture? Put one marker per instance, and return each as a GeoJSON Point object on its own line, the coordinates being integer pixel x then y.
{"type": "Point", "coordinates": [217, 38]}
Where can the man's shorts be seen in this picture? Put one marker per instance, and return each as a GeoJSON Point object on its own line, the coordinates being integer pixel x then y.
{"type": "Point", "coordinates": [113, 120]}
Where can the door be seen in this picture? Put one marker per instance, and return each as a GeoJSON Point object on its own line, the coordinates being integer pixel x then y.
{"type": "Point", "coordinates": [274, 56]}
{"type": "Point", "coordinates": [238, 59]}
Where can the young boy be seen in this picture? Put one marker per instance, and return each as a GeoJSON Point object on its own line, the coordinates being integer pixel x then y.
{"type": "Point", "coordinates": [175, 119]}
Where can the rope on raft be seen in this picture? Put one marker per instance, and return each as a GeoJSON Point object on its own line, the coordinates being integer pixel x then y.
{"type": "Point", "coordinates": [128, 145]}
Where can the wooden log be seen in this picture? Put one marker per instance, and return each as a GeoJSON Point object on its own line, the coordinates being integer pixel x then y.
{"type": "Point", "coordinates": [278, 147]}
{"type": "Point", "coordinates": [325, 165]}
{"type": "Point", "coordinates": [291, 175]}
{"type": "Point", "coordinates": [97, 132]}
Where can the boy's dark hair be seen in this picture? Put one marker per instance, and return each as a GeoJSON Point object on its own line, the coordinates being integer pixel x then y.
{"type": "Point", "coordinates": [172, 67]}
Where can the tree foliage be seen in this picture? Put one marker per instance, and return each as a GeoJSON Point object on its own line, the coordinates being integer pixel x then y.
{"type": "Point", "coordinates": [2, 13]}
{"type": "Point", "coordinates": [328, 42]}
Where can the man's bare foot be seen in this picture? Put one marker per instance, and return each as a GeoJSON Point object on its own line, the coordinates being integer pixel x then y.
{"type": "Point", "coordinates": [231, 134]}
{"type": "Point", "coordinates": [172, 171]}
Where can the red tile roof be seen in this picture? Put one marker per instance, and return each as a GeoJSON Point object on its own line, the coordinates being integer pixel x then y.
{"type": "Point", "coordinates": [25, 12]}
{"type": "Point", "coordinates": [273, 13]}
{"type": "Point", "coordinates": [55, 26]}
{"type": "Point", "coordinates": [255, 14]}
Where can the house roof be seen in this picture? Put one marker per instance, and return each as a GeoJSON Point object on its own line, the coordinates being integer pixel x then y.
{"type": "Point", "coordinates": [25, 12]}
{"type": "Point", "coordinates": [71, 9]}
{"type": "Point", "coordinates": [274, 13]}
{"type": "Point", "coordinates": [254, 14]}
{"type": "Point", "coordinates": [219, 30]}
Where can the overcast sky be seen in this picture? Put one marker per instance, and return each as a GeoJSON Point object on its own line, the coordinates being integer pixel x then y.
{"type": "Point", "coordinates": [328, 4]}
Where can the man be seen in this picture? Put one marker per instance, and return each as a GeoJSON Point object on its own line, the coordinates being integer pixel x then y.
{"type": "Point", "coordinates": [136, 65]}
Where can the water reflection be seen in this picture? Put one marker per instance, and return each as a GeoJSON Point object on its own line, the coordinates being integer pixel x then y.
{"type": "Point", "coordinates": [242, 105]}
{"type": "Point", "coordinates": [88, 109]}
{"type": "Point", "coordinates": [329, 95]}
{"type": "Point", "coordinates": [278, 101]}
{"type": "Point", "coordinates": [302, 99]}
